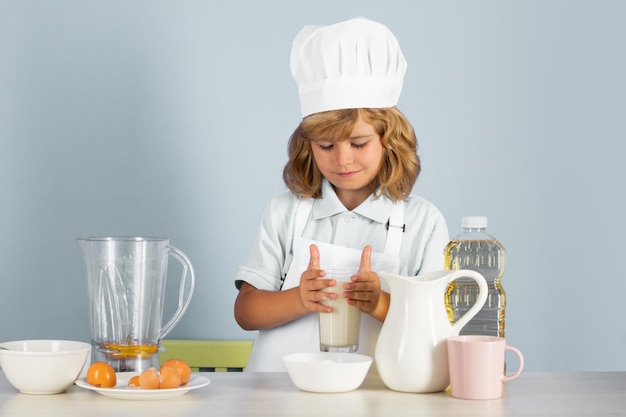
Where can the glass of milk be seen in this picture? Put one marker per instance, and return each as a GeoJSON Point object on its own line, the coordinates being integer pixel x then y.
{"type": "Point", "coordinates": [339, 330]}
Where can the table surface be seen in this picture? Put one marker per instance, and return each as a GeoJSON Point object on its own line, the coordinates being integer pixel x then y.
{"type": "Point", "coordinates": [272, 394]}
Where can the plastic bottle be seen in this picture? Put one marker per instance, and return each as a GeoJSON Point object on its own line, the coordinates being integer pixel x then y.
{"type": "Point", "coordinates": [475, 249]}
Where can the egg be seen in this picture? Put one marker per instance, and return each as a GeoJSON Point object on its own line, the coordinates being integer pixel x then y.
{"type": "Point", "coordinates": [149, 379]}
{"type": "Point", "coordinates": [172, 374]}
{"type": "Point", "coordinates": [180, 366]}
{"type": "Point", "coordinates": [101, 374]}
{"type": "Point", "coordinates": [134, 381]}
{"type": "Point", "coordinates": [169, 378]}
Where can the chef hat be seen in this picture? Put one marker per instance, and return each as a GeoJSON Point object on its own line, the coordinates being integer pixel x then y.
{"type": "Point", "coordinates": [352, 64]}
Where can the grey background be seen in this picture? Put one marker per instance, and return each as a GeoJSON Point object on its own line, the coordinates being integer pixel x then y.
{"type": "Point", "coordinates": [171, 118]}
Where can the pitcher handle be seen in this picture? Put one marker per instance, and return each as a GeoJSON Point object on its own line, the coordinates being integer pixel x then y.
{"type": "Point", "coordinates": [480, 302]}
{"type": "Point", "coordinates": [183, 299]}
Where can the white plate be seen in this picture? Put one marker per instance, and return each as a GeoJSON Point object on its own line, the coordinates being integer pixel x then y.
{"type": "Point", "coordinates": [122, 391]}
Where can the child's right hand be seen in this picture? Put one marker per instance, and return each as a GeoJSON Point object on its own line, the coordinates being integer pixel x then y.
{"type": "Point", "coordinates": [311, 285]}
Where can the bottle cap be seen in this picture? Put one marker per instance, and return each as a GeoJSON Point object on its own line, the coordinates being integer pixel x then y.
{"type": "Point", "coordinates": [474, 222]}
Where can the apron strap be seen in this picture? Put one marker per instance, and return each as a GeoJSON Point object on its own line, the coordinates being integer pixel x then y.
{"type": "Point", "coordinates": [303, 212]}
{"type": "Point", "coordinates": [395, 229]}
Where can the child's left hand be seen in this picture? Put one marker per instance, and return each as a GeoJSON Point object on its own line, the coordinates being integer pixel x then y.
{"type": "Point", "coordinates": [364, 291]}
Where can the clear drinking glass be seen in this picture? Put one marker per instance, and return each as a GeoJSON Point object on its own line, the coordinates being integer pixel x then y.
{"type": "Point", "coordinates": [339, 330]}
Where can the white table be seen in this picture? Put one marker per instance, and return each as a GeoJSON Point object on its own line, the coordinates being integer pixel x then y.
{"type": "Point", "coordinates": [593, 394]}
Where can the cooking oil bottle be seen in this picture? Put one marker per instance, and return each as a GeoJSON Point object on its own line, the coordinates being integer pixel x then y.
{"type": "Point", "coordinates": [475, 249]}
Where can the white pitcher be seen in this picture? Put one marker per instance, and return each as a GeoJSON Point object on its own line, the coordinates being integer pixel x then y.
{"type": "Point", "coordinates": [411, 351]}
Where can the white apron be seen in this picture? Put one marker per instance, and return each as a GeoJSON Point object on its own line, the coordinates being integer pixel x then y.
{"type": "Point", "coordinates": [302, 335]}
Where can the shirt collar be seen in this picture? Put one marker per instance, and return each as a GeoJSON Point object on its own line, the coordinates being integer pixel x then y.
{"type": "Point", "coordinates": [329, 205]}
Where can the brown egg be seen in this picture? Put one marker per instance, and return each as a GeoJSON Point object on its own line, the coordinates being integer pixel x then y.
{"type": "Point", "coordinates": [149, 379]}
{"type": "Point", "coordinates": [169, 378]}
{"type": "Point", "coordinates": [101, 374]}
{"type": "Point", "coordinates": [134, 381]}
{"type": "Point", "coordinates": [181, 367]}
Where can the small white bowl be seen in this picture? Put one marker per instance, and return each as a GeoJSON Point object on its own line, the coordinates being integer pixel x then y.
{"type": "Point", "coordinates": [43, 366]}
{"type": "Point", "coordinates": [327, 371]}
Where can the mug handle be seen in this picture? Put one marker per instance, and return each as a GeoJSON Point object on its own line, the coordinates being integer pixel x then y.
{"type": "Point", "coordinates": [521, 363]}
{"type": "Point", "coordinates": [480, 302]}
{"type": "Point", "coordinates": [183, 301]}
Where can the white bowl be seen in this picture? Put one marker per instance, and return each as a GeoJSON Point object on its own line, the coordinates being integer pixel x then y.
{"type": "Point", "coordinates": [43, 366]}
{"type": "Point", "coordinates": [327, 371]}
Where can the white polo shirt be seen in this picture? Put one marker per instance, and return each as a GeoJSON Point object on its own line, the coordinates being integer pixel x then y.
{"type": "Point", "coordinates": [423, 241]}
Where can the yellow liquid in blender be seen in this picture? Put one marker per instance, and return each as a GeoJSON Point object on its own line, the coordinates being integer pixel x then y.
{"type": "Point", "coordinates": [129, 350]}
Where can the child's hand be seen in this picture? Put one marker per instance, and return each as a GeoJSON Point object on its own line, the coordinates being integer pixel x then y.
{"type": "Point", "coordinates": [310, 285]}
{"type": "Point", "coordinates": [364, 291]}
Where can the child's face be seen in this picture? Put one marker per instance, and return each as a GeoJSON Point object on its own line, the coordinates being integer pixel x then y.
{"type": "Point", "coordinates": [351, 164]}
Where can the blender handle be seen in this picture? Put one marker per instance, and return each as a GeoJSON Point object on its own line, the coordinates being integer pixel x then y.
{"type": "Point", "coordinates": [183, 300]}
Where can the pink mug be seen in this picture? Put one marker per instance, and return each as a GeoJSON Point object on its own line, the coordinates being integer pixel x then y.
{"type": "Point", "coordinates": [476, 366]}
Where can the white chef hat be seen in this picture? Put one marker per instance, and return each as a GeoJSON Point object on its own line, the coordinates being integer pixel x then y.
{"type": "Point", "coordinates": [352, 64]}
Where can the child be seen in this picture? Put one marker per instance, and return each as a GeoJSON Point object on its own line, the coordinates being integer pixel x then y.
{"type": "Point", "coordinates": [352, 166]}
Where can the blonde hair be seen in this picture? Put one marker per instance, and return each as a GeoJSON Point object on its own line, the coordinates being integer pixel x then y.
{"type": "Point", "coordinates": [400, 165]}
